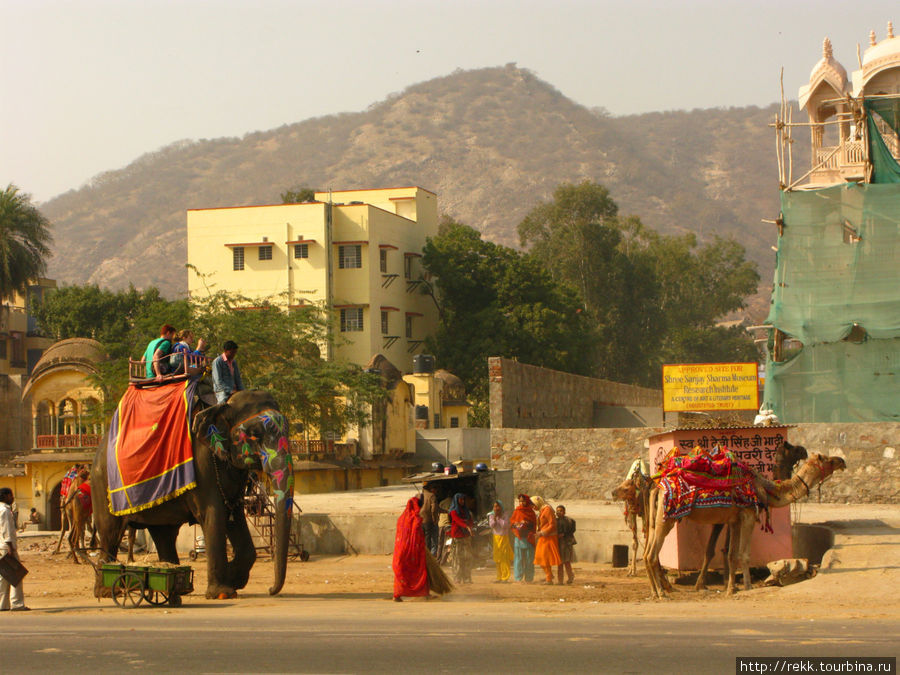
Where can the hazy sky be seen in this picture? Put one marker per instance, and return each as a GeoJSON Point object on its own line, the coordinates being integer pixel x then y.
{"type": "Point", "coordinates": [88, 86]}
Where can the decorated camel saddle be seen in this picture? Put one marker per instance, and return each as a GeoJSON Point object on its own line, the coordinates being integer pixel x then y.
{"type": "Point", "coordinates": [705, 479]}
{"type": "Point", "coordinates": [149, 455]}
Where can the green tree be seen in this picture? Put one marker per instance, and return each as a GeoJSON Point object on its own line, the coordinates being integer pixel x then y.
{"type": "Point", "coordinates": [279, 351]}
{"type": "Point", "coordinates": [652, 299]}
{"type": "Point", "coordinates": [24, 242]}
{"type": "Point", "coordinates": [298, 195]}
{"type": "Point", "coordinates": [495, 301]}
{"type": "Point", "coordinates": [581, 240]}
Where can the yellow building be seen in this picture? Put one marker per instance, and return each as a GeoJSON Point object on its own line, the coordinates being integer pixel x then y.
{"type": "Point", "coordinates": [66, 421]}
{"type": "Point", "coordinates": [356, 252]}
{"type": "Point", "coordinates": [439, 397]}
{"type": "Point", "coordinates": [20, 350]}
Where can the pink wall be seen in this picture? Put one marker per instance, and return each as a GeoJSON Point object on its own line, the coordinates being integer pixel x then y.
{"type": "Point", "coordinates": [683, 548]}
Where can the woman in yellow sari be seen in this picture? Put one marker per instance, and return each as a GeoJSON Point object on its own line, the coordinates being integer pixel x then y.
{"type": "Point", "coordinates": [503, 553]}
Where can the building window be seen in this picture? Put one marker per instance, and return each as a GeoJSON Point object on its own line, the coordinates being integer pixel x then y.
{"type": "Point", "coordinates": [409, 326]}
{"type": "Point", "coordinates": [384, 323]}
{"type": "Point", "coordinates": [383, 260]}
{"type": "Point", "coordinates": [407, 267]}
{"type": "Point", "coordinates": [301, 250]}
{"type": "Point", "coordinates": [454, 423]}
{"type": "Point", "coordinates": [3, 349]}
{"type": "Point", "coordinates": [351, 319]}
{"type": "Point", "coordinates": [238, 256]}
{"type": "Point", "coordinates": [350, 257]}
{"type": "Point", "coordinates": [265, 252]}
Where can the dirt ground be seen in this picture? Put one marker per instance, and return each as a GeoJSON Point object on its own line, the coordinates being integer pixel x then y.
{"type": "Point", "coordinates": [856, 581]}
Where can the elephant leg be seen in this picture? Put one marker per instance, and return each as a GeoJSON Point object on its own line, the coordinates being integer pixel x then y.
{"type": "Point", "coordinates": [238, 570]}
{"type": "Point", "coordinates": [132, 533]}
{"type": "Point", "coordinates": [164, 537]}
{"type": "Point", "coordinates": [218, 580]}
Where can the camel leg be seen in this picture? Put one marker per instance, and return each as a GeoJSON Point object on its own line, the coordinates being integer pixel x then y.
{"type": "Point", "coordinates": [76, 535]}
{"type": "Point", "coordinates": [708, 556]}
{"type": "Point", "coordinates": [659, 528]}
{"type": "Point", "coordinates": [745, 527]}
{"type": "Point", "coordinates": [741, 530]}
{"type": "Point", "coordinates": [632, 524]}
{"type": "Point", "coordinates": [63, 526]}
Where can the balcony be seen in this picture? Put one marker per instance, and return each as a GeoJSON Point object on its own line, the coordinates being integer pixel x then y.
{"type": "Point", "coordinates": [58, 441]}
{"type": "Point", "coordinates": [318, 447]}
{"type": "Point", "coordinates": [839, 163]}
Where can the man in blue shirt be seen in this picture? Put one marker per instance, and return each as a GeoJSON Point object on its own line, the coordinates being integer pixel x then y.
{"type": "Point", "coordinates": [226, 375]}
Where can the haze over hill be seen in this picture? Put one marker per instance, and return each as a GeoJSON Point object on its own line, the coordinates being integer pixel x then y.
{"type": "Point", "coordinates": [491, 143]}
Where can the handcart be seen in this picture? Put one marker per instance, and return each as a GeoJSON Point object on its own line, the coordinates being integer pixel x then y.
{"type": "Point", "coordinates": [132, 584]}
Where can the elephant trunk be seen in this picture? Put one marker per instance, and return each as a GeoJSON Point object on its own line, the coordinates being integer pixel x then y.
{"type": "Point", "coordinates": [283, 517]}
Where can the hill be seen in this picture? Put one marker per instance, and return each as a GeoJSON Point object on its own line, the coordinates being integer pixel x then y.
{"type": "Point", "coordinates": [491, 143]}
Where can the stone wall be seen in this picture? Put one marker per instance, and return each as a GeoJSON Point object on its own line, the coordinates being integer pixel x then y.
{"type": "Point", "coordinates": [588, 463]}
{"type": "Point", "coordinates": [530, 397]}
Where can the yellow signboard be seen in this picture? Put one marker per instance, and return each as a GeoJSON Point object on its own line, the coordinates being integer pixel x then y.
{"type": "Point", "coordinates": [710, 386]}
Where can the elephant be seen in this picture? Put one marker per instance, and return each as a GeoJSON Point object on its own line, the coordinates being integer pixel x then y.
{"type": "Point", "coordinates": [230, 439]}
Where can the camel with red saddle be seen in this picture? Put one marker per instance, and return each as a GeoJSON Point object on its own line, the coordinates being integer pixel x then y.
{"type": "Point", "coordinates": [740, 519]}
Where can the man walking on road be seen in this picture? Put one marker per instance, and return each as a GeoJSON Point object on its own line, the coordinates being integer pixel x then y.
{"type": "Point", "coordinates": [11, 597]}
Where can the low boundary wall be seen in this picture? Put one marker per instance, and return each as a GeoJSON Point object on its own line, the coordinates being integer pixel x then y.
{"type": "Point", "coordinates": [588, 463]}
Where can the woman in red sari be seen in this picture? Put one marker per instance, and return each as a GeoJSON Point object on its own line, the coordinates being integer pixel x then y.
{"type": "Point", "coordinates": [546, 550]}
{"type": "Point", "coordinates": [410, 568]}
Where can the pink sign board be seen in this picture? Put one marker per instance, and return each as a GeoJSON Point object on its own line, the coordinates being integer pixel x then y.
{"type": "Point", "coordinates": [756, 446]}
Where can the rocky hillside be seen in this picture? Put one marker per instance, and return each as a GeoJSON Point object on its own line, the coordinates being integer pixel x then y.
{"type": "Point", "coordinates": [491, 143]}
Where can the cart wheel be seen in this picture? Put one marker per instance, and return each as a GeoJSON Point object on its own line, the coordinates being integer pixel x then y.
{"type": "Point", "coordinates": [128, 590]}
{"type": "Point", "coordinates": [155, 597]}
{"type": "Point", "coordinates": [192, 555]}
{"type": "Point", "coordinates": [304, 556]}
{"type": "Point", "coordinates": [175, 600]}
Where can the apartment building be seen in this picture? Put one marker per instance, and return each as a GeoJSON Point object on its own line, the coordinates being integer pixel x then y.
{"type": "Point", "coordinates": [20, 349]}
{"type": "Point", "coordinates": [355, 252]}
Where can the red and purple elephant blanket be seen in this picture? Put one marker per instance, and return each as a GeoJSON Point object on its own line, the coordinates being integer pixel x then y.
{"type": "Point", "coordinates": [149, 456]}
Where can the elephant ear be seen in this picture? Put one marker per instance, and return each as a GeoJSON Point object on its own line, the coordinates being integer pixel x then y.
{"type": "Point", "coordinates": [213, 427]}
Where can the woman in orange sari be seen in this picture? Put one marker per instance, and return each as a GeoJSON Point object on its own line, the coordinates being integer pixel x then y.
{"type": "Point", "coordinates": [546, 550]}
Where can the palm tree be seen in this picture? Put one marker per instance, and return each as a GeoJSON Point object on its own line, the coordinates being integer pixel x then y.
{"type": "Point", "coordinates": [24, 241]}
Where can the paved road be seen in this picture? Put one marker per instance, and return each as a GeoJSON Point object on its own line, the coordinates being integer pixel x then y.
{"type": "Point", "coordinates": [350, 637]}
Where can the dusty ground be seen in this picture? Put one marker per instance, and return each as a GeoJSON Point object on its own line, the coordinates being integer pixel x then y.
{"type": "Point", "coordinates": [857, 580]}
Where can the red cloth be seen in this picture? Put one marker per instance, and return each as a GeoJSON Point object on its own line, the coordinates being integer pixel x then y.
{"type": "Point", "coordinates": [460, 527]}
{"type": "Point", "coordinates": [410, 569]}
{"type": "Point", "coordinates": [149, 455]}
{"type": "Point", "coordinates": [84, 496]}
{"type": "Point", "coordinates": [523, 522]}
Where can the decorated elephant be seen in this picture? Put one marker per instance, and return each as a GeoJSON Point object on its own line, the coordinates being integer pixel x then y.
{"type": "Point", "coordinates": [246, 433]}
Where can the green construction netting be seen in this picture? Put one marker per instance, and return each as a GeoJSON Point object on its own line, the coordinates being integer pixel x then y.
{"type": "Point", "coordinates": [837, 265]}
{"type": "Point", "coordinates": [885, 168]}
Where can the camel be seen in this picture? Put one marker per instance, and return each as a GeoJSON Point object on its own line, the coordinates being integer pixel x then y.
{"type": "Point", "coordinates": [77, 510]}
{"type": "Point", "coordinates": [739, 519]}
{"type": "Point", "coordinates": [786, 457]}
{"type": "Point", "coordinates": [635, 492]}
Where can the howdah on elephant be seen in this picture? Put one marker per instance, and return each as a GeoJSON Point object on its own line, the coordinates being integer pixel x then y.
{"type": "Point", "coordinates": [246, 433]}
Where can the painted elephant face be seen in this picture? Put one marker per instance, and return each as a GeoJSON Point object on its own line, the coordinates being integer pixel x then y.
{"type": "Point", "coordinates": [261, 442]}
{"type": "Point", "coordinates": [257, 442]}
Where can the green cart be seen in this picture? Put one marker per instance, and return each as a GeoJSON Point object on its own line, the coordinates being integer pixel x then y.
{"type": "Point", "coordinates": [132, 584]}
